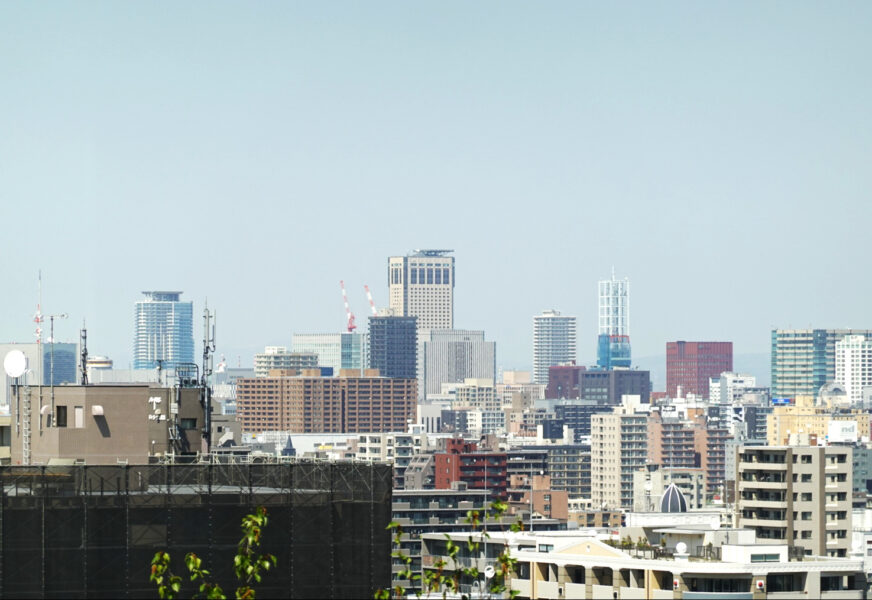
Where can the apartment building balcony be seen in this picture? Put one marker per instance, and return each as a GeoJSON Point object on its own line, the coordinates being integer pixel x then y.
{"type": "Point", "coordinates": [761, 485]}
{"type": "Point", "coordinates": [754, 522]}
{"type": "Point", "coordinates": [765, 466]}
{"type": "Point", "coordinates": [753, 503]}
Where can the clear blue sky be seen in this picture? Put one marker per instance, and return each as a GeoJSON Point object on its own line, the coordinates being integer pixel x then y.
{"type": "Point", "coordinates": [718, 154]}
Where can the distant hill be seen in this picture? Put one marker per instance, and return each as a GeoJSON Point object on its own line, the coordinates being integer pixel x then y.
{"type": "Point", "coordinates": [754, 364]}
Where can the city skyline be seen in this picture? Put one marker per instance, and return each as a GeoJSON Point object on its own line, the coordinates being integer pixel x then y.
{"type": "Point", "coordinates": [695, 154]}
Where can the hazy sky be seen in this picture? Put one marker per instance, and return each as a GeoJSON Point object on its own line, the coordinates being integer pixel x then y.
{"type": "Point", "coordinates": [717, 154]}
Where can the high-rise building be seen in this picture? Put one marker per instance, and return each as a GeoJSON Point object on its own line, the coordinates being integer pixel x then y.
{"type": "Point", "coordinates": [803, 360]}
{"type": "Point", "coordinates": [800, 496]}
{"type": "Point", "coordinates": [335, 350]}
{"type": "Point", "coordinates": [613, 340]}
{"type": "Point", "coordinates": [618, 448]}
{"type": "Point", "coordinates": [421, 285]}
{"type": "Point", "coordinates": [554, 342]}
{"type": "Point", "coordinates": [278, 357]}
{"type": "Point", "coordinates": [454, 355]}
{"type": "Point", "coordinates": [691, 365]}
{"type": "Point", "coordinates": [309, 403]}
{"type": "Point", "coordinates": [164, 331]}
{"type": "Point", "coordinates": [393, 346]}
{"type": "Point", "coordinates": [854, 366]}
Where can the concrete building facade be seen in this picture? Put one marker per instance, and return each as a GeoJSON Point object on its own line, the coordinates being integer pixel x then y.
{"type": "Point", "coordinates": [309, 403]}
{"type": "Point", "coordinates": [797, 495]}
{"type": "Point", "coordinates": [278, 357]}
{"type": "Point", "coordinates": [453, 355]}
{"type": "Point", "coordinates": [421, 284]}
{"type": "Point", "coordinates": [690, 366]}
{"type": "Point", "coordinates": [618, 447]}
{"type": "Point", "coordinates": [554, 343]}
{"type": "Point", "coordinates": [854, 366]}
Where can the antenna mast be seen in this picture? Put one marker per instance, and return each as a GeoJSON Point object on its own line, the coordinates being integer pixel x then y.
{"type": "Point", "coordinates": [205, 382]}
{"type": "Point", "coordinates": [83, 337]}
{"type": "Point", "coordinates": [350, 315]}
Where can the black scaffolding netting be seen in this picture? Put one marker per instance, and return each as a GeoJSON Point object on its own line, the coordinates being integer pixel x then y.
{"type": "Point", "coordinates": [91, 531]}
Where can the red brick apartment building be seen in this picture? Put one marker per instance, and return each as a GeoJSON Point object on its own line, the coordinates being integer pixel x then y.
{"type": "Point", "coordinates": [309, 403]}
{"type": "Point", "coordinates": [480, 470]}
{"type": "Point", "coordinates": [690, 364]}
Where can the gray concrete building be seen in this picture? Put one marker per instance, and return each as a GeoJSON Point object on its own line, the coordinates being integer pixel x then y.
{"type": "Point", "coordinates": [799, 495]}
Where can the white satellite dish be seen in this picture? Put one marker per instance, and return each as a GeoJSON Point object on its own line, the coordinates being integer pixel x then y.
{"type": "Point", "coordinates": [15, 363]}
{"type": "Point", "coordinates": [489, 572]}
{"type": "Point", "coordinates": [681, 548]}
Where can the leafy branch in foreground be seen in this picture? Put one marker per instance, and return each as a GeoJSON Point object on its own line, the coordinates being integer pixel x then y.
{"type": "Point", "coordinates": [442, 580]}
{"type": "Point", "coordinates": [247, 564]}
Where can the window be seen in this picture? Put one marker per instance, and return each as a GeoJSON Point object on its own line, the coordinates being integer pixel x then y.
{"type": "Point", "coordinates": [806, 496]}
{"type": "Point", "coordinates": [806, 516]}
{"type": "Point", "coordinates": [79, 416]}
{"type": "Point", "coordinates": [806, 477]}
{"type": "Point", "coordinates": [188, 423]}
{"type": "Point", "coordinates": [61, 416]}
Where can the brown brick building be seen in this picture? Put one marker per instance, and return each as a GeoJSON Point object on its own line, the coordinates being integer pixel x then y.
{"type": "Point", "coordinates": [309, 403]}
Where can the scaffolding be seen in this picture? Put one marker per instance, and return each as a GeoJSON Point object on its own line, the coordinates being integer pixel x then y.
{"type": "Point", "coordinates": [91, 531]}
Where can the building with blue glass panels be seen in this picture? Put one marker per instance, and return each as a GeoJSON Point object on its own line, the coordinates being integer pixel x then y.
{"type": "Point", "coordinates": [164, 331]}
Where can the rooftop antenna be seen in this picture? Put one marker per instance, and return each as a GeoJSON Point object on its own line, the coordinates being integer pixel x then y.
{"type": "Point", "coordinates": [208, 351]}
{"type": "Point", "coordinates": [83, 338]}
{"type": "Point", "coordinates": [51, 340]}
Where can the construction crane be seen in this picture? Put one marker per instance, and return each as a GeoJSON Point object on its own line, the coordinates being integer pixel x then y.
{"type": "Point", "coordinates": [351, 326]}
{"type": "Point", "coordinates": [371, 303]}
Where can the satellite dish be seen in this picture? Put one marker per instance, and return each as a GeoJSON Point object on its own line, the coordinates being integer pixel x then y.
{"type": "Point", "coordinates": [489, 572]}
{"type": "Point", "coordinates": [15, 363]}
{"type": "Point", "coordinates": [681, 548]}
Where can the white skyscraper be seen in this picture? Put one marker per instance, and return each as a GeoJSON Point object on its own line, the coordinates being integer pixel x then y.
{"type": "Point", "coordinates": [163, 331]}
{"type": "Point", "coordinates": [422, 285]}
{"type": "Point", "coordinates": [613, 341]}
{"type": "Point", "coordinates": [854, 366]}
{"type": "Point", "coordinates": [554, 341]}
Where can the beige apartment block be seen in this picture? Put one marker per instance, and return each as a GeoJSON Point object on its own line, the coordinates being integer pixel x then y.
{"type": "Point", "coordinates": [800, 496]}
{"type": "Point", "coordinates": [807, 418]}
{"type": "Point", "coordinates": [309, 403]}
{"type": "Point", "coordinates": [618, 447]}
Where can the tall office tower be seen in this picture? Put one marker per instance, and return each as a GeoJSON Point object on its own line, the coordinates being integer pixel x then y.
{"type": "Point", "coordinates": [335, 350]}
{"type": "Point", "coordinates": [618, 447]}
{"type": "Point", "coordinates": [421, 285]}
{"type": "Point", "coordinates": [613, 341]}
{"type": "Point", "coordinates": [554, 340]}
{"type": "Point", "coordinates": [692, 364]}
{"type": "Point", "coordinates": [803, 360]}
{"type": "Point", "coordinates": [393, 346]}
{"type": "Point", "coordinates": [453, 355]}
{"type": "Point", "coordinates": [278, 357]}
{"type": "Point", "coordinates": [797, 495]}
{"type": "Point", "coordinates": [164, 331]}
{"type": "Point", "coordinates": [854, 366]}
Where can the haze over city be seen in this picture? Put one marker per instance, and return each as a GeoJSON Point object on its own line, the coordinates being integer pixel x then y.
{"type": "Point", "coordinates": [716, 156]}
